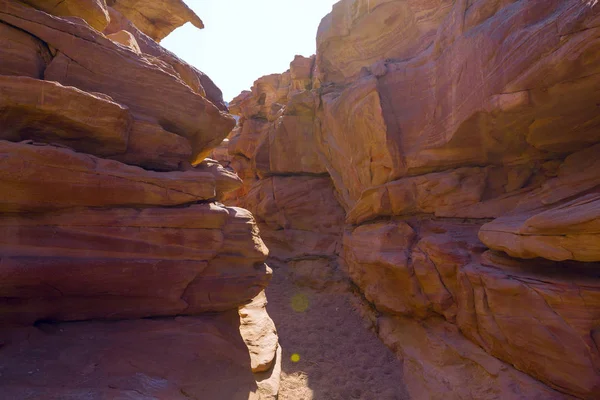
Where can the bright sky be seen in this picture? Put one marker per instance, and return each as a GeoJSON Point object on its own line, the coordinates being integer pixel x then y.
{"type": "Point", "coordinates": [246, 39]}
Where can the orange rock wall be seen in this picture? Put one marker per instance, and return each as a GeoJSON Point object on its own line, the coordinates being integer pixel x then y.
{"type": "Point", "coordinates": [455, 144]}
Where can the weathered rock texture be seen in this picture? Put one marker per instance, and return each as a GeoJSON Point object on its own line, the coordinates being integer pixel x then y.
{"type": "Point", "coordinates": [156, 19]}
{"type": "Point", "coordinates": [461, 141]}
{"type": "Point", "coordinates": [286, 186]}
{"type": "Point", "coordinates": [109, 211]}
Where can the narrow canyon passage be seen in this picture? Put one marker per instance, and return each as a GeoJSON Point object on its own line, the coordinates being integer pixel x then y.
{"type": "Point", "coordinates": [329, 351]}
{"type": "Point", "coordinates": [412, 212]}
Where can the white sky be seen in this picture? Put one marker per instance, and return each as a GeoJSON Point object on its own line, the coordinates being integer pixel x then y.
{"type": "Point", "coordinates": [246, 39]}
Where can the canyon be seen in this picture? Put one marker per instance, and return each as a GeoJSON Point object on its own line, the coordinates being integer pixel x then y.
{"type": "Point", "coordinates": [411, 213]}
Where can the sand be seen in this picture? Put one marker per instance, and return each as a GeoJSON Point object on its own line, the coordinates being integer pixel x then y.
{"type": "Point", "coordinates": [329, 350]}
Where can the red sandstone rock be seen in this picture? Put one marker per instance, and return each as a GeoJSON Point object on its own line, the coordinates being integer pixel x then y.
{"type": "Point", "coordinates": [377, 256]}
{"type": "Point", "coordinates": [259, 333]}
{"type": "Point", "coordinates": [269, 94]}
{"type": "Point", "coordinates": [354, 140]}
{"type": "Point", "coordinates": [94, 12]}
{"type": "Point", "coordinates": [127, 263]}
{"type": "Point", "coordinates": [359, 32]}
{"type": "Point", "coordinates": [225, 180]}
{"type": "Point", "coordinates": [559, 221]}
{"type": "Point", "coordinates": [437, 122]}
{"type": "Point", "coordinates": [91, 62]}
{"type": "Point", "coordinates": [439, 363]}
{"type": "Point", "coordinates": [431, 193]}
{"type": "Point", "coordinates": [551, 338]}
{"type": "Point", "coordinates": [290, 244]}
{"type": "Point", "coordinates": [452, 104]}
{"type": "Point", "coordinates": [301, 72]}
{"type": "Point", "coordinates": [565, 232]}
{"type": "Point", "coordinates": [84, 237]}
{"type": "Point", "coordinates": [37, 178]}
{"type": "Point", "coordinates": [436, 268]}
{"type": "Point", "coordinates": [169, 358]}
{"type": "Point", "coordinates": [157, 19]}
{"type": "Point", "coordinates": [196, 80]}
{"type": "Point", "coordinates": [246, 139]}
{"type": "Point", "coordinates": [126, 39]}
{"type": "Point", "coordinates": [22, 54]}
{"type": "Point", "coordinates": [289, 148]}
{"type": "Point", "coordinates": [288, 203]}
{"type": "Point", "coordinates": [51, 113]}
{"type": "Point", "coordinates": [151, 147]}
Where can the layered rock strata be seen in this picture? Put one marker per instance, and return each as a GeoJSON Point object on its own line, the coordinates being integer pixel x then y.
{"type": "Point", "coordinates": [461, 139]}
{"type": "Point", "coordinates": [110, 212]}
{"type": "Point", "coordinates": [286, 186]}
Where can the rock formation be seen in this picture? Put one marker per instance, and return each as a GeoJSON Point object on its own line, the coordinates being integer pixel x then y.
{"type": "Point", "coordinates": [444, 153]}
{"type": "Point", "coordinates": [110, 213]}
{"type": "Point", "coordinates": [273, 151]}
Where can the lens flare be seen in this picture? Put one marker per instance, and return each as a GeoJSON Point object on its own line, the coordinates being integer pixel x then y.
{"type": "Point", "coordinates": [300, 302]}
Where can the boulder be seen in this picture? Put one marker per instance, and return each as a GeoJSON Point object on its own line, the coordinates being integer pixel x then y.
{"type": "Point", "coordinates": [259, 333]}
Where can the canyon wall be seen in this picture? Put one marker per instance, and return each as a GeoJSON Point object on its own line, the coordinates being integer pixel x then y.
{"type": "Point", "coordinates": [110, 212]}
{"type": "Point", "coordinates": [443, 155]}
{"type": "Point", "coordinates": [286, 185]}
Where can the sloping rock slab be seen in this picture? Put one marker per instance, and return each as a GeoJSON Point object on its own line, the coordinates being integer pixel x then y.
{"type": "Point", "coordinates": [37, 178]}
{"type": "Point", "coordinates": [22, 54]}
{"type": "Point", "coordinates": [51, 113]}
{"type": "Point", "coordinates": [157, 18]}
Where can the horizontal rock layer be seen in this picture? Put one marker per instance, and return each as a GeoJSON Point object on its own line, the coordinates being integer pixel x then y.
{"type": "Point", "coordinates": [126, 263]}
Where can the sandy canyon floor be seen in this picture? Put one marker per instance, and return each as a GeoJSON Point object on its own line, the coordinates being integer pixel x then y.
{"type": "Point", "coordinates": [329, 351]}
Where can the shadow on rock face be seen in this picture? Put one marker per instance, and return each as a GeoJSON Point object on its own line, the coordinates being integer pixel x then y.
{"type": "Point", "coordinates": [165, 358]}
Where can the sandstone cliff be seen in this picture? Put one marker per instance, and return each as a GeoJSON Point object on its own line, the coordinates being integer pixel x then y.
{"type": "Point", "coordinates": [108, 211]}
{"type": "Point", "coordinates": [444, 153]}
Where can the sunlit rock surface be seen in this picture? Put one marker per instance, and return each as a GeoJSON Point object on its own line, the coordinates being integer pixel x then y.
{"type": "Point", "coordinates": [461, 142]}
